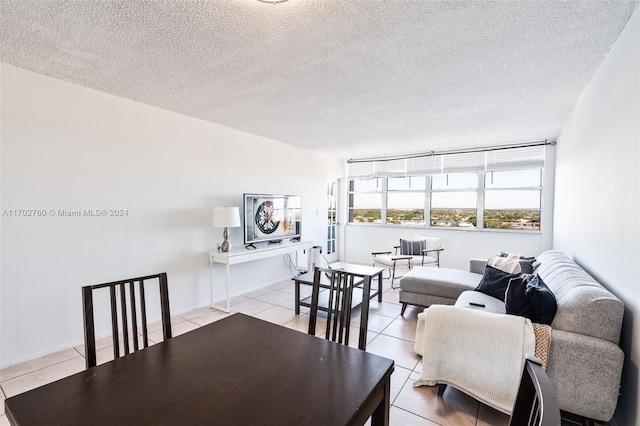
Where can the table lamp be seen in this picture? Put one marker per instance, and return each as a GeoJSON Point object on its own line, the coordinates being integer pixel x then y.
{"type": "Point", "coordinates": [226, 217]}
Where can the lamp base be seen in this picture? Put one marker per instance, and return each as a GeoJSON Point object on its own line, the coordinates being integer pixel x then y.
{"type": "Point", "coordinates": [226, 245]}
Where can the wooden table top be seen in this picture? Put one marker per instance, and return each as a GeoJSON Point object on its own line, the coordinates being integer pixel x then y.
{"type": "Point", "coordinates": [236, 371]}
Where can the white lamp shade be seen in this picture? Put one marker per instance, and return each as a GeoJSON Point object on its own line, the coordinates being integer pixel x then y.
{"type": "Point", "coordinates": [226, 217]}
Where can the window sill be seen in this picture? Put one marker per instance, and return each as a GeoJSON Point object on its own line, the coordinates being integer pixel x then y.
{"type": "Point", "coordinates": [454, 229]}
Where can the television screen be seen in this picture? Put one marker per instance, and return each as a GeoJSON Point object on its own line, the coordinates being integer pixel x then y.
{"type": "Point", "coordinates": [271, 217]}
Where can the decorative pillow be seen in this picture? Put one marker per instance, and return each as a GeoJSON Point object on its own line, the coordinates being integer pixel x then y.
{"type": "Point", "coordinates": [412, 248]}
{"type": "Point", "coordinates": [516, 301]}
{"type": "Point", "coordinates": [509, 264]}
{"type": "Point", "coordinates": [543, 301]}
{"type": "Point", "coordinates": [494, 282]}
{"type": "Point", "coordinates": [527, 263]}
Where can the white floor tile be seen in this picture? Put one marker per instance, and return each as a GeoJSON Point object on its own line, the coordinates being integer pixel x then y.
{"type": "Point", "coordinates": [43, 376]}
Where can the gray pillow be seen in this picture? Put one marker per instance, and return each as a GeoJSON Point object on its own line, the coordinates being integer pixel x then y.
{"type": "Point", "coordinates": [412, 247]}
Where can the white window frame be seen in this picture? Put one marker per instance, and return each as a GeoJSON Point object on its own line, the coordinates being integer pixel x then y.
{"type": "Point", "coordinates": [517, 188]}
{"type": "Point", "coordinates": [480, 199]}
{"type": "Point", "coordinates": [387, 191]}
{"type": "Point", "coordinates": [383, 210]}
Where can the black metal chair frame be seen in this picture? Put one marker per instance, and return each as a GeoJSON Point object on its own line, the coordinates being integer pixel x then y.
{"type": "Point", "coordinates": [122, 285]}
{"type": "Point", "coordinates": [340, 288]}
{"type": "Point", "coordinates": [536, 403]}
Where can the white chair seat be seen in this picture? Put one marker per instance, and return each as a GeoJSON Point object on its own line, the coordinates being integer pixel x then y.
{"type": "Point", "coordinates": [390, 259]}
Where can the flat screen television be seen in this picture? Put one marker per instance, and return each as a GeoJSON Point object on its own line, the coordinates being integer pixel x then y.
{"type": "Point", "coordinates": [269, 217]}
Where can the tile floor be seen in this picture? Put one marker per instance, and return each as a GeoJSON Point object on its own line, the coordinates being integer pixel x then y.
{"type": "Point", "coordinates": [390, 335]}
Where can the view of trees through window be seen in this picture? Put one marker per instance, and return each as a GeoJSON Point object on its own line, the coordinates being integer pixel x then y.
{"type": "Point", "coordinates": [366, 215]}
{"type": "Point", "coordinates": [512, 219]}
{"type": "Point", "coordinates": [461, 218]}
{"type": "Point", "coordinates": [500, 199]}
{"type": "Point", "coordinates": [405, 216]}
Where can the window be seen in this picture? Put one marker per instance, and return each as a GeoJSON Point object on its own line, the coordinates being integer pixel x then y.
{"type": "Point", "coordinates": [497, 187]}
{"type": "Point", "coordinates": [365, 200]}
{"type": "Point", "coordinates": [512, 199]}
{"type": "Point", "coordinates": [481, 200]}
{"type": "Point", "coordinates": [405, 200]}
{"type": "Point", "coordinates": [454, 200]}
{"type": "Point", "coordinates": [332, 201]}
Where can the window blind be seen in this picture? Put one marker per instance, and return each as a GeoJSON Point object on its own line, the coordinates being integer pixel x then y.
{"type": "Point", "coordinates": [434, 163]}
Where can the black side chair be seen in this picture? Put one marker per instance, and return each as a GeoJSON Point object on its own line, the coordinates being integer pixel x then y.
{"type": "Point", "coordinates": [123, 285]}
{"type": "Point", "coordinates": [536, 403]}
{"type": "Point", "coordinates": [332, 293]}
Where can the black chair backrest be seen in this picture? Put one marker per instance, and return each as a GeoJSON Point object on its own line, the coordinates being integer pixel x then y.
{"type": "Point", "coordinates": [125, 309]}
{"type": "Point", "coordinates": [332, 293]}
{"type": "Point", "coordinates": [536, 403]}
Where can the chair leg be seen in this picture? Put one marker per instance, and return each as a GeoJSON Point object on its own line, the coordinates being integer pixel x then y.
{"type": "Point", "coordinates": [393, 276]}
{"type": "Point", "coordinates": [404, 308]}
{"type": "Point", "coordinates": [441, 388]}
{"type": "Point", "coordinates": [375, 265]}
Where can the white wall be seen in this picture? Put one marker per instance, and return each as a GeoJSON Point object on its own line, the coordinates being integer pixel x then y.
{"type": "Point", "coordinates": [67, 147]}
{"type": "Point", "coordinates": [597, 205]}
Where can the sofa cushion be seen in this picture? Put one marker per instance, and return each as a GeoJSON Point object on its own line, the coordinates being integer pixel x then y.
{"type": "Point", "coordinates": [412, 248]}
{"type": "Point", "coordinates": [542, 300]}
{"type": "Point", "coordinates": [494, 282]}
{"type": "Point", "coordinates": [527, 263]}
{"type": "Point", "coordinates": [528, 296]}
{"type": "Point", "coordinates": [509, 264]}
{"type": "Point", "coordinates": [516, 301]}
{"type": "Point", "coordinates": [471, 299]}
{"type": "Point", "coordinates": [439, 282]}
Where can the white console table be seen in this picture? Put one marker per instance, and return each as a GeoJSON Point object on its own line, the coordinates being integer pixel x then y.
{"type": "Point", "coordinates": [242, 255]}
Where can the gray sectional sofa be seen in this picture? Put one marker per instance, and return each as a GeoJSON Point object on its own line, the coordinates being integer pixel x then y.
{"type": "Point", "coordinates": [585, 361]}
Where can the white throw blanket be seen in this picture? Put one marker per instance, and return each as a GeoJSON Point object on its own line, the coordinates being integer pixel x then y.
{"type": "Point", "coordinates": [479, 353]}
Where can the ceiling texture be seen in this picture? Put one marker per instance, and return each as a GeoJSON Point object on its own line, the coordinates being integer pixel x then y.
{"type": "Point", "coordinates": [351, 78]}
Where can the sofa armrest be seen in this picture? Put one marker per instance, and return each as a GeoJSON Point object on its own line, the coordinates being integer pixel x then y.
{"type": "Point", "coordinates": [585, 372]}
{"type": "Point", "coordinates": [477, 265]}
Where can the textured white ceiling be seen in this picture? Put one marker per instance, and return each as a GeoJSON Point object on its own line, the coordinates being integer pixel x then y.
{"type": "Point", "coordinates": [352, 78]}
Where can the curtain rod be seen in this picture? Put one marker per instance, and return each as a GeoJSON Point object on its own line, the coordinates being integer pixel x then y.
{"type": "Point", "coordinates": [453, 151]}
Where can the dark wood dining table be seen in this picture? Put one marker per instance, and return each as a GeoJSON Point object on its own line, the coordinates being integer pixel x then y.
{"type": "Point", "coordinates": [237, 371]}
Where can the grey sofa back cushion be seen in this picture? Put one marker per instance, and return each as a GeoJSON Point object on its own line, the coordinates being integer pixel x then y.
{"type": "Point", "coordinates": [584, 306]}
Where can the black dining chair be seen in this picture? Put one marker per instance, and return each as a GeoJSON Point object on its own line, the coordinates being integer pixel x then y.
{"type": "Point", "coordinates": [536, 403]}
{"type": "Point", "coordinates": [123, 293]}
{"type": "Point", "coordinates": [332, 293]}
